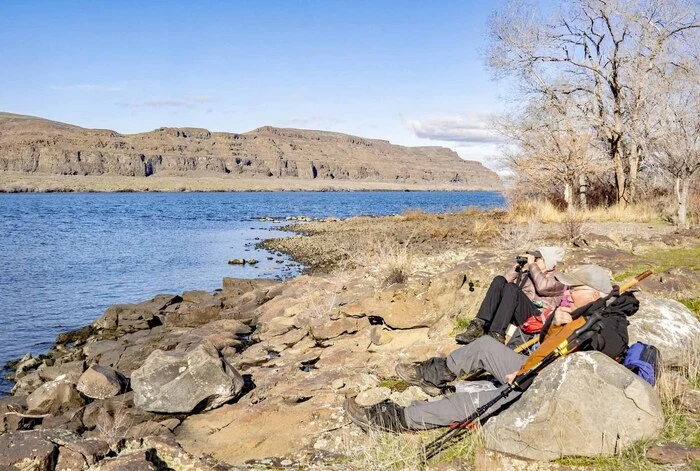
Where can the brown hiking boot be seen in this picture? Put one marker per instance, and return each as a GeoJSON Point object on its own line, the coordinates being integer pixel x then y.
{"type": "Point", "coordinates": [410, 373]}
{"type": "Point", "coordinates": [475, 329]}
{"type": "Point", "coordinates": [386, 416]}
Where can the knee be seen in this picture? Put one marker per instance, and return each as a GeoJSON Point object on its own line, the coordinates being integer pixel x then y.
{"type": "Point", "coordinates": [499, 281]}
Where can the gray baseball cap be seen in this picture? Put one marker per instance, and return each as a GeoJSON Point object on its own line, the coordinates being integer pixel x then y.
{"type": "Point", "coordinates": [587, 275]}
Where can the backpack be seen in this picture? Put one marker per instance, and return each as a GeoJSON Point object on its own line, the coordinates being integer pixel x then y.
{"type": "Point", "coordinates": [644, 360]}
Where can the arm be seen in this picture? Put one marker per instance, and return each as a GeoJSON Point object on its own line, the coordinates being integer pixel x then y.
{"type": "Point", "coordinates": [545, 283]}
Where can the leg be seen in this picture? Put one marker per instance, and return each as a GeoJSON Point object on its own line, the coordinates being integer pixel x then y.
{"type": "Point", "coordinates": [488, 354]}
{"type": "Point", "coordinates": [484, 316]}
{"type": "Point", "coordinates": [492, 299]}
{"type": "Point", "coordinates": [515, 305]}
{"type": "Point", "coordinates": [454, 408]}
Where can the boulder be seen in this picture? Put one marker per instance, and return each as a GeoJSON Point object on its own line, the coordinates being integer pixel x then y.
{"type": "Point", "coordinates": [238, 286]}
{"type": "Point", "coordinates": [673, 454]}
{"type": "Point", "coordinates": [182, 382]}
{"type": "Point", "coordinates": [197, 297]}
{"type": "Point", "coordinates": [139, 460]}
{"type": "Point", "coordinates": [34, 449]}
{"type": "Point", "coordinates": [194, 315]}
{"type": "Point", "coordinates": [114, 414]}
{"type": "Point", "coordinates": [123, 314]}
{"type": "Point", "coordinates": [99, 382]}
{"type": "Point", "coordinates": [585, 404]}
{"type": "Point", "coordinates": [668, 325]}
{"type": "Point", "coordinates": [53, 398]}
{"type": "Point", "coordinates": [72, 371]}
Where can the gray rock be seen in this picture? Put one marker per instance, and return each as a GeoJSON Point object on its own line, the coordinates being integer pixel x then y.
{"type": "Point", "coordinates": [584, 404]}
{"type": "Point", "coordinates": [70, 371]}
{"type": "Point", "coordinates": [140, 460]}
{"type": "Point", "coordinates": [197, 296]}
{"type": "Point", "coordinates": [54, 397]}
{"type": "Point", "coordinates": [673, 454]}
{"type": "Point", "coordinates": [181, 382]}
{"type": "Point", "coordinates": [32, 450]}
{"type": "Point", "coordinates": [666, 324]}
{"type": "Point", "coordinates": [194, 315]}
{"type": "Point", "coordinates": [100, 382]}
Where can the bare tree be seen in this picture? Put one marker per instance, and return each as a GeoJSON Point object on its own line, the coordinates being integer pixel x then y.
{"type": "Point", "coordinates": [676, 135]}
{"type": "Point", "coordinates": [554, 153]}
{"type": "Point", "coordinates": [605, 53]}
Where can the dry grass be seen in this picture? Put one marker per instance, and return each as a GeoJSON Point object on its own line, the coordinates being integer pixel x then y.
{"type": "Point", "coordinates": [406, 451]}
{"type": "Point", "coordinates": [524, 211]}
{"type": "Point", "coordinates": [113, 427]}
{"type": "Point", "coordinates": [386, 259]}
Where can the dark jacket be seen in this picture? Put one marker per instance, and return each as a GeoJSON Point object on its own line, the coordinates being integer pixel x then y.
{"type": "Point", "coordinates": [612, 338]}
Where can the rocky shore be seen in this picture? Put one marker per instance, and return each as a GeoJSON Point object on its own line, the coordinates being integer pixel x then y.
{"type": "Point", "coordinates": [253, 376]}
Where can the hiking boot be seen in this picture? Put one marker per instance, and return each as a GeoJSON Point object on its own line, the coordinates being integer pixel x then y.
{"type": "Point", "coordinates": [475, 329]}
{"type": "Point", "coordinates": [357, 414]}
{"type": "Point", "coordinates": [410, 374]}
{"type": "Point", "coordinates": [498, 336]}
{"type": "Point", "coordinates": [386, 416]}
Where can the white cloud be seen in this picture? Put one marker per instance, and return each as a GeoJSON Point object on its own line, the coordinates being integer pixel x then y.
{"type": "Point", "coordinates": [473, 129]}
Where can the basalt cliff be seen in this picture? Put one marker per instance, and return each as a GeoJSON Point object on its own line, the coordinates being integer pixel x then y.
{"type": "Point", "coordinates": [31, 145]}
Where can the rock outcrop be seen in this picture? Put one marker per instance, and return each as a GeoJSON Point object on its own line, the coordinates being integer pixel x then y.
{"type": "Point", "coordinates": [35, 145]}
{"type": "Point", "coordinates": [584, 404]}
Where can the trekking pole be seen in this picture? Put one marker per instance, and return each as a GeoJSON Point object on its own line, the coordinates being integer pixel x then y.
{"type": "Point", "coordinates": [521, 382]}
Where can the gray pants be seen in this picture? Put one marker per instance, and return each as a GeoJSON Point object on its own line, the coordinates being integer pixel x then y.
{"type": "Point", "coordinates": [484, 353]}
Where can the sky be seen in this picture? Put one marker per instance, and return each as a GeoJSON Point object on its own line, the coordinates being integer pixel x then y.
{"type": "Point", "coordinates": [411, 72]}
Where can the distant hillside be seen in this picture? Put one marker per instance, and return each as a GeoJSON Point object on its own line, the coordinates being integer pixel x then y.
{"type": "Point", "coordinates": [35, 145]}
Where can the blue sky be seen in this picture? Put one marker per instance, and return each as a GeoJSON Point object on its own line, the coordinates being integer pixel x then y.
{"type": "Point", "coordinates": [409, 72]}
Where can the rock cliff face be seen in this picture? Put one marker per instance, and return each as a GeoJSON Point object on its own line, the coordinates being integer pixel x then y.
{"type": "Point", "coordinates": [35, 145]}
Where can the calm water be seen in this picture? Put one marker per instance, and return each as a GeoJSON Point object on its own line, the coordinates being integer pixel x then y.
{"type": "Point", "coordinates": [67, 257]}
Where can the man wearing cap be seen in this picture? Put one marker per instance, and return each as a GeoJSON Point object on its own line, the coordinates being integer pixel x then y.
{"type": "Point", "coordinates": [589, 285]}
{"type": "Point", "coordinates": [522, 293]}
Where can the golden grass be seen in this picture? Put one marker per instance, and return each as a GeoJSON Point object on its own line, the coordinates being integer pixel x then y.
{"type": "Point", "coordinates": [524, 211]}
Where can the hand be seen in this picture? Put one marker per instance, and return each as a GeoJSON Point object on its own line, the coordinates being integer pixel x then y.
{"type": "Point", "coordinates": [530, 259]}
{"type": "Point", "coordinates": [511, 377]}
{"type": "Point", "coordinates": [562, 315]}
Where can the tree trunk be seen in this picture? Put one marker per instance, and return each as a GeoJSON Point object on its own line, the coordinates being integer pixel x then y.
{"type": "Point", "coordinates": [568, 196]}
{"type": "Point", "coordinates": [634, 169]}
{"type": "Point", "coordinates": [582, 191]}
{"type": "Point", "coordinates": [682, 185]}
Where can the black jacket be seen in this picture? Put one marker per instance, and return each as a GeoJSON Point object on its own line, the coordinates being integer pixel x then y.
{"type": "Point", "coordinates": [612, 338]}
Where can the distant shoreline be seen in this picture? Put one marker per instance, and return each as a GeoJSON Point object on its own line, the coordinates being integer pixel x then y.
{"type": "Point", "coordinates": [16, 182]}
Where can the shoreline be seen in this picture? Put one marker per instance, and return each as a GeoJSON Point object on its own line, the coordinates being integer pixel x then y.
{"type": "Point", "coordinates": [296, 341]}
{"type": "Point", "coordinates": [15, 182]}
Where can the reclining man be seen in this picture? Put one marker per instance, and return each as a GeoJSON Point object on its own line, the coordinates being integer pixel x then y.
{"type": "Point", "coordinates": [518, 297]}
{"type": "Point", "coordinates": [589, 285]}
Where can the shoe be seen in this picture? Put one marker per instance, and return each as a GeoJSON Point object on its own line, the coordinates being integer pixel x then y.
{"type": "Point", "coordinates": [475, 329]}
{"type": "Point", "coordinates": [498, 336]}
{"type": "Point", "coordinates": [410, 374]}
{"type": "Point", "coordinates": [386, 416]}
{"type": "Point", "coordinates": [357, 414]}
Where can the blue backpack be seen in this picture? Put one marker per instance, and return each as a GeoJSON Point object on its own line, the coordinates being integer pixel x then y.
{"type": "Point", "coordinates": [644, 360]}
